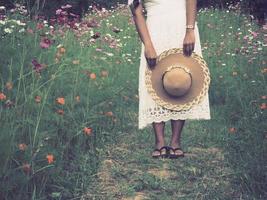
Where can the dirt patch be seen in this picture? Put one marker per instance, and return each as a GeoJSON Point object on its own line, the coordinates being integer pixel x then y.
{"type": "Point", "coordinates": [138, 196]}
{"type": "Point", "coordinates": [162, 173]}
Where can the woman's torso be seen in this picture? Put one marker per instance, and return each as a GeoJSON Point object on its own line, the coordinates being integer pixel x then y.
{"type": "Point", "coordinates": [174, 8]}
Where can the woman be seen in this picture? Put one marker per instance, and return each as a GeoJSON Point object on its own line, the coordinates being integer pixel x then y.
{"type": "Point", "coordinates": [169, 24]}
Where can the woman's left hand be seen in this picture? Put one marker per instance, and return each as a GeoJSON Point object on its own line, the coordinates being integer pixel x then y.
{"type": "Point", "coordinates": [189, 42]}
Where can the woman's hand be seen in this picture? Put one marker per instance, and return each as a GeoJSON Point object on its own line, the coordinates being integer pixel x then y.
{"type": "Point", "coordinates": [150, 55]}
{"type": "Point", "coordinates": [189, 42]}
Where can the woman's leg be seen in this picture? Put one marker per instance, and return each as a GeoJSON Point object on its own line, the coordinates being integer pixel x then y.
{"type": "Point", "coordinates": [159, 136]}
{"type": "Point", "coordinates": [177, 127]}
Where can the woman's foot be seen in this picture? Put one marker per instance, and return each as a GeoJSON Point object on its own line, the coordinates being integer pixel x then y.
{"type": "Point", "coordinates": [160, 152]}
{"type": "Point", "coordinates": [175, 151]}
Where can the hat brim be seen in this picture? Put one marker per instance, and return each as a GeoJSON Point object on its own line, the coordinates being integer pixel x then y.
{"type": "Point", "coordinates": [199, 73]}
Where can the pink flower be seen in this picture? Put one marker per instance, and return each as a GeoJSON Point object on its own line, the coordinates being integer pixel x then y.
{"type": "Point", "coordinates": [30, 31]}
{"type": "Point", "coordinates": [39, 26]}
{"type": "Point", "coordinates": [96, 35]}
{"type": "Point", "coordinates": [58, 11]}
{"type": "Point", "coordinates": [37, 66]}
{"type": "Point", "coordinates": [254, 34]}
{"type": "Point", "coordinates": [45, 43]}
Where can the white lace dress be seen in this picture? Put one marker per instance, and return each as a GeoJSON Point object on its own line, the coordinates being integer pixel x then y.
{"type": "Point", "coordinates": [166, 21]}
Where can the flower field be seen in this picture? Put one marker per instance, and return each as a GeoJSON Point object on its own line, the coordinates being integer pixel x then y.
{"type": "Point", "coordinates": [69, 89]}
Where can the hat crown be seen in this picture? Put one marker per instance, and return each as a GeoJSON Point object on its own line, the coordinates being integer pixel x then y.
{"type": "Point", "coordinates": [176, 81]}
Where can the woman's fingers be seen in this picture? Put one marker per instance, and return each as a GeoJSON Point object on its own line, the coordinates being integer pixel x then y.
{"type": "Point", "coordinates": [151, 62]}
{"type": "Point", "coordinates": [188, 49]}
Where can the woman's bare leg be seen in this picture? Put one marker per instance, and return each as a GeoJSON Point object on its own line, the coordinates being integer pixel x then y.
{"type": "Point", "coordinates": [159, 136]}
{"type": "Point", "coordinates": [177, 127]}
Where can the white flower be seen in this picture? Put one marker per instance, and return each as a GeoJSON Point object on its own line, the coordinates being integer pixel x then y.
{"type": "Point", "coordinates": [109, 54]}
{"type": "Point", "coordinates": [19, 23]}
{"type": "Point", "coordinates": [2, 22]}
{"type": "Point", "coordinates": [8, 30]}
{"type": "Point", "coordinates": [2, 7]}
{"type": "Point", "coordinates": [22, 30]}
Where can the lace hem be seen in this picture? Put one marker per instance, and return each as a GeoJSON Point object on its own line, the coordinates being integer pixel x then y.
{"type": "Point", "coordinates": [144, 122]}
{"type": "Point", "coordinates": [156, 113]}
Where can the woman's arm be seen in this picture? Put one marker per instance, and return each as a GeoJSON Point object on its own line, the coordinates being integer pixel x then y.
{"type": "Point", "coordinates": [189, 40]}
{"type": "Point", "coordinates": [141, 27]}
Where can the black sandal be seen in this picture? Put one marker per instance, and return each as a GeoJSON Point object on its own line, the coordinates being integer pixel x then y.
{"type": "Point", "coordinates": [165, 155]}
{"type": "Point", "coordinates": [175, 155]}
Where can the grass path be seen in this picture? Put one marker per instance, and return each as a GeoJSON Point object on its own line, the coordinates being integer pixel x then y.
{"type": "Point", "coordinates": [128, 172]}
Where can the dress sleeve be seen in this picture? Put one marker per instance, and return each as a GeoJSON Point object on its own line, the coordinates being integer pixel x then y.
{"type": "Point", "coordinates": [130, 2]}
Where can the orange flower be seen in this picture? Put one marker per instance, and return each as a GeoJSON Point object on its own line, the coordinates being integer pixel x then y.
{"type": "Point", "coordinates": [37, 99]}
{"type": "Point", "coordinates": [2, 96]}
{"type": "Point", "coordinates": [50, 158]}
{"type": "Point", "coordinates": [60, 100]}
{"type": "Point", "coordinates": [22, 146]}
{"type": "Point", "coordinates": [78, 98]}
{"type": "Point", "coordinates": [76, 62]}
{"type": "Point", "coordinates": [60, 112]}
{"type": "Point", "coordinates": [26, 167]}
{"type": "Point", "coordinates": [263, 106]}
{"type": "Point", "coordinates": [62, 50]}
{"type": "Point", "coordinates": [104, 73]}
{"type": "Point", "coordinates": [9, 85]}
{"type": "Point", "coordinates": [87, 130]}
{"type": "Point", "coordinates": [110, 114]}
{"type": "Point", "coordinates": [232, 130]}
{"type": "Point", "coordinates": [264, 70]}
{"type": "Point", "coordinates": [93, 76]}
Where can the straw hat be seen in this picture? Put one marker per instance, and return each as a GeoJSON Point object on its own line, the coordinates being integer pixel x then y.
{"type": "Point", "coordinates": [178, 82]}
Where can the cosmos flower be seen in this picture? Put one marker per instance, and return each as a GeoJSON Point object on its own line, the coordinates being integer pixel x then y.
{"type": "Point", "coordinates": [45, 43]}
{"type": "Point", "coordinates": [37, 66]}
{"type": "Point", "coordinates": [22, 146]}
{"type": "Point", "coordinates": [2, 96]}
{"type": "Point", "coordinates": [60, 100]}
{"type": "Point", "coordinates": [87, 130]}
{"type": "Point", "coordinates": [50, 158]}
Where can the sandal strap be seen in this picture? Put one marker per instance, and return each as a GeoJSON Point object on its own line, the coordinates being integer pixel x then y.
{"type": "Point", "coordinates": [156, 150]}
{"type": "Point", "coordinates": [175, 149]}
{"type": "Point", "coordinates": [164, 147]}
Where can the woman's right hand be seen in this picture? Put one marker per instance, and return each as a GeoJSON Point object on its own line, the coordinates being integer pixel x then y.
{"type": "Point", "coordinates": [150, 55]}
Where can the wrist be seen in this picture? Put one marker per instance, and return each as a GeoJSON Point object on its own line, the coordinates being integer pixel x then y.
{"type": "Point", "coordinates": [190, 30]}
{"type": "Point", "coordinates": [189, 26]}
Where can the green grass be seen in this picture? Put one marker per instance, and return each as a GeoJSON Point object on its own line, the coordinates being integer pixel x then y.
{"type": "Point", "coordinates": [114, 161]}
